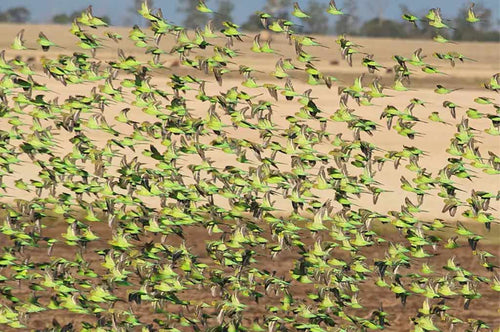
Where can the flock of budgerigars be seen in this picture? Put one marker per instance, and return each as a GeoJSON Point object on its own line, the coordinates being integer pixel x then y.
{"type": "Point", "coordinates": [131, 200]}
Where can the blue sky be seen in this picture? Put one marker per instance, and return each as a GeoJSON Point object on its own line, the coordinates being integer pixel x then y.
{"type": "Point", "coordinates": [118, 10]}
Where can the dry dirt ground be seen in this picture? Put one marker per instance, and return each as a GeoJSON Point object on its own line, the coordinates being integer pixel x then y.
{"type": "Point", "coordinates": [434, 140]}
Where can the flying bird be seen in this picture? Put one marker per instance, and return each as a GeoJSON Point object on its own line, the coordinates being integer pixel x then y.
{"type": "Point", "coordinates": [44, 42]}
{"type": "Point", "coordinates": [18, 43]}
{"type": "Point", "coordinates": [297, 12]}
{"type": "Point", "coordinates": [333, 9]}
{"type": "Point", "coordinates": [471, 16]}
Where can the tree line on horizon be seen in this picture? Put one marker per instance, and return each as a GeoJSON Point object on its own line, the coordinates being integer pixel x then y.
{"type": "Point", "coordinates": [351, 24]}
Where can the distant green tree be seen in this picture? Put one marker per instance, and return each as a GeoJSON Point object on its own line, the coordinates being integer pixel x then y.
{"type": "Point", "coordinates": [61, 19]}
{"type": "Point", "coordinates": [318, 23]}
{"type": "Point", "coordinates": [15, 15]}
{"type": "Point", "coordinates": [378, 27]}
{"type": "Point", "coordinates": [253, 23]}
{"type": "Point", "coordinates": [223, 13]}
{"type": "Point", "coordinates": [485, 14]}
{"type": "Point", "coordinates": [348, 23]}
{"type": "Point", "coordinates": [193, 18]}
{"type": "Point", "coordinates": [3, 17]}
